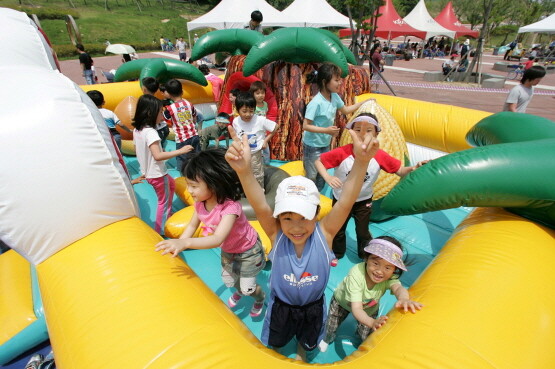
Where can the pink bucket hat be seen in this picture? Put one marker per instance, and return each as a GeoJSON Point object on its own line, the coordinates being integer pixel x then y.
{"type": "Point", "coordinates": [387, 251]}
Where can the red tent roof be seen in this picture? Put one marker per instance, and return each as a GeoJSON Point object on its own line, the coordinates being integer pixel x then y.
{"type": "Point", "coordinates": [449, 20]}
{"type": "Point", "coordinates": [390, 24]}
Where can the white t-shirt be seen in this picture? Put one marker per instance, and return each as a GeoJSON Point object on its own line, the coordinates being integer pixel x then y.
{"type": "Point", "coordinates": [110, 118]}
{"type": "Point", "coordinates": [520, 95]}
{"type": "Point", "coordinates": [150, 167]}
{"type": "Point", "coordinates": [255, 130]}
{"type": "Point", "coordinates": [180, 46]}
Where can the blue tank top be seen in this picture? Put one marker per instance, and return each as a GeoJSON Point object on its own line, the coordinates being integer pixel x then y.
{"type": "Point", "coordinates": [300, 281]}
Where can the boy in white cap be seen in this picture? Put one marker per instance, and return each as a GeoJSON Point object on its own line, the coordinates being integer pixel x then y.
{"type": "Point", "coordinates": [361, 290]}
{"type": "Point", "coordinates": [301, 253]}
{"type": "Point", "coordinates": [342, 159]}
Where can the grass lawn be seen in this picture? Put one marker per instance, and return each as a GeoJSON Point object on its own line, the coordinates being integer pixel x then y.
{"type": "Point", "coordinates": [122, 23]}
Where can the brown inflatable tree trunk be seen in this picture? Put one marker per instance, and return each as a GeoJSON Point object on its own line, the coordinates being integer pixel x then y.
{"type": "Point", "coordinates": [288, 83]}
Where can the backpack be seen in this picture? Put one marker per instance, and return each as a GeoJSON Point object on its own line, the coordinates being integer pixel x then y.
{"type": "Point", "coordinates": [512, 45]}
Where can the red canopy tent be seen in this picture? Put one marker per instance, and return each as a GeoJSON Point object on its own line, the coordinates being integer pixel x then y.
{"type": "Point", "coordinates": [449, 20]}
{"type": "Point", "coordinates": [390, 25]}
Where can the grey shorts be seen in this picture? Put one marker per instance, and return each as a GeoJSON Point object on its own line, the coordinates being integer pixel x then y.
{"type": "Point", "coordinates": [246, 264]}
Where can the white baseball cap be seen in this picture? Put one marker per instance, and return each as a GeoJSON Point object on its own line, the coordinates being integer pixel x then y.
{"type": "Point", "coordinates": [299, 195]}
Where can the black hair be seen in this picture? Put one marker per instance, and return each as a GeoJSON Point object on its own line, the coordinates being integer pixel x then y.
{"type": "Point", "coordinates": [174, 88]}
{"type": "Point", "coordinates": [245, 99]}
{"type": "Point", "coordinates": [325, 73]}
{"type": "Point", "coordinates": [235, 92]}
{"type": "Point", "coordinates": [223, 115]}
{"type": "Point", "coordinates": [533, 73]}
{"type": "Point", "coordinates": [257, 85]}
{"type": "Point", "coordinates": [211, 167]}
{"type": "Point", "coordinates": [204, 69]}
{"type": "Point", "coordinates": [146, 112]}
{"type": "Point", "coordinates": [80, 47]}
{"type": "Point", "coordinates": [257, 16]}
{"type": "Point", "coordinates": [151, 84]}
{"type": "Point", "coordinates": [97, 97]}
{"type": "Point", "coordinates": [398, 272]}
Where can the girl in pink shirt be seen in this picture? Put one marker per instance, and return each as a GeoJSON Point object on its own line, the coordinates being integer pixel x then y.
{"type": "Point", "coordinates": [215, 188]}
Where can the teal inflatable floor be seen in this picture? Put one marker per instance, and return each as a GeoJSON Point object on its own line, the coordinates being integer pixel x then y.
{"type": "Point", "coordinates": [422, 235]}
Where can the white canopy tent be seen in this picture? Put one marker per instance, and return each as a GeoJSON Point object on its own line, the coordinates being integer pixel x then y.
{"type": "Point", "coordinates": [313, 13]}
{"type": "Point", "coordinates": [421, 19]}
{"type": "Point", "coordinates": [235, 13]}
{"type": "Point", "coordinates": [546, 25]}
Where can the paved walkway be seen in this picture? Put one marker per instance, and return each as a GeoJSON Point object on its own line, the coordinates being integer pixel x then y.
{"type": "Point", "coordinates": [406, 79]}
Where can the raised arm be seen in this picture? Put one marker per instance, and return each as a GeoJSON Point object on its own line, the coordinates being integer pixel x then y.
{"type": "Point", "coordinates": [238, 156]}
{"type": "Point", "coordinates": [352, 108]}
{"type": "Point", "coordinates": [403, 171]}
{"type": "Point", "coordinates": [363, 152]}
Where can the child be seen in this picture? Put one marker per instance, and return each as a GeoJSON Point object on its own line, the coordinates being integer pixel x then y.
{"type": "Point", "coordinates": [216, 191]}
{"type": "Point", "coordinates": [151, 157]}
{"type": "Point", "coordinates": [109, 116]}
{"type": "Point", "coordinates": [520, 96]}
{"type": "Point", "coordinates": [150, 86]}
{"type": "Point", "coordinates": [342, 160]}
{"type": "Point", "coordinates": [258, 90]}
{"type": "Point", "coordinates": [215, 132]}
{"type": "Point", "coordinates": [301, 253]}
{"type": "Point", "coordinates": [215, 81]}
{"type": "Point", "coordinates": [255, 128]}
{"type": "Point", "coordinates": [183, 116]}
{"type": "Point", "coordinates": [364, 286]}
{"type": "Point", "coordinates": [319, 118]}
{"type": "Point", "coordinates": [232, 96]}
{"type": "Point", "coordinates": [529, 63]}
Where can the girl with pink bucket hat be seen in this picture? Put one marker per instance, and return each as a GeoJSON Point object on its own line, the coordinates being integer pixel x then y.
{"type": "Point", "coordinates": [360, 292]}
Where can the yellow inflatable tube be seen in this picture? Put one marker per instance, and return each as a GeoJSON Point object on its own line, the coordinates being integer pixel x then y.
{"type": "Point", "coordinates": [113, 302]}
{"type": "Point", "coordinates": [114, 93]}
{"type": "Point", "coordinates": [437, 126]}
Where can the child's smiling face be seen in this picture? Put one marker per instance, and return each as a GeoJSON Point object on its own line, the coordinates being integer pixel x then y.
{"type": "Point", "coordinates": [378, 269]}
{"type": "Point", "coordinates": [246, 113]}
{"type": "Point", "coordinates": [297, 228]}
{"type": "Point", "coordinates": [259, 96]}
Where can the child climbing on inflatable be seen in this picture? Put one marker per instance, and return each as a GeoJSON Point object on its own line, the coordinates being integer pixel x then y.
{"type": "Point", "coordinates": [319, 118]}
{"type": "Point", "coordinates": [109, 116]}
{"type": "Point", "coordinates": [342, 160]}
{"type": "Point", "coordinates": [216, 190]}
{"type": "Point", "coordinates": [151, 156]}
{"type": "Point", "coordinates": [361, 290]}
{"type": "Point", "coordinates": [301, 253]}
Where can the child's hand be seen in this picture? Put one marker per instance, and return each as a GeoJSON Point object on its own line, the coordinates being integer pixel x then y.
{"type": "Point", "coordinates": [334, 182]}
{"type": "Point", "coordinates": [379, 322]}
{"type": "Point", "coordinates": [407, 304]}
{"type": "Point", "coordinates": [333, 131]}
{"type": "Point", "coordinates": [421, 163]}
{"type": "Point", "coordinates": [138, 180]}
{"type": "Point", "coordinates": [173, 247]}
{"type": "Point", "coordinates": [265, 145]}
{"type": "Point", "coordinates": [365, 149]}
{"type": "Point", "coordinates": [185, 149]}
{"type": "Point", "coordinates": [238, 154]}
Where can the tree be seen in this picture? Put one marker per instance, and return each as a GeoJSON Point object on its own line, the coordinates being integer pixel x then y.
{"type": "Point", "coordinates": [404, 7]}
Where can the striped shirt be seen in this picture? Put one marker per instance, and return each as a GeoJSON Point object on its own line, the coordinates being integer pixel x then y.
{"type": "Point", "coordinates": [182, 114]}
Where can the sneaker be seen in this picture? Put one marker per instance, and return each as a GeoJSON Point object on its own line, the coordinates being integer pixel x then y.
{"type": "Point", "coordinates": [34, 361]}
{"type": "Point", "coordinates": [256, 309]}
{"type": "Point", "coordinates": [334, 262]}
{"type": "Point", "coordinates": [323, 346]}
{"type": "Point", "coordinates": [234, 299]}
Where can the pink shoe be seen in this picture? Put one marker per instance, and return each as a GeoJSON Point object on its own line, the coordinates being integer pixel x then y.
{"type": "Point", "coordinates": [234, 299]}
{"type": "Point", "coordinates": [257, 308]}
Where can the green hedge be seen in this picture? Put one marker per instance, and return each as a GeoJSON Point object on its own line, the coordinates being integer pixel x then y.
{"type": "Point", "coordinates": [68, 51]}
{"type": "Point", "coordinates": [47, 13]}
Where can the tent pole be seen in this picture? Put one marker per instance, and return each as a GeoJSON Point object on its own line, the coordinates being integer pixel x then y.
{"type": "Point", "coordinates": [370, 65]}
{"type": "Point", "coordinates": [190, 44]}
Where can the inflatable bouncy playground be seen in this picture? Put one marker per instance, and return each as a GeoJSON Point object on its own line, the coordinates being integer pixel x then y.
{"type": "Point", "coordinates": [477, 222]}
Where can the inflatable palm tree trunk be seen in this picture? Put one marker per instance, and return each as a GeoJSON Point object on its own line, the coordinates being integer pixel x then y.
{"type": "Point", "coordinates": [288, 83]}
